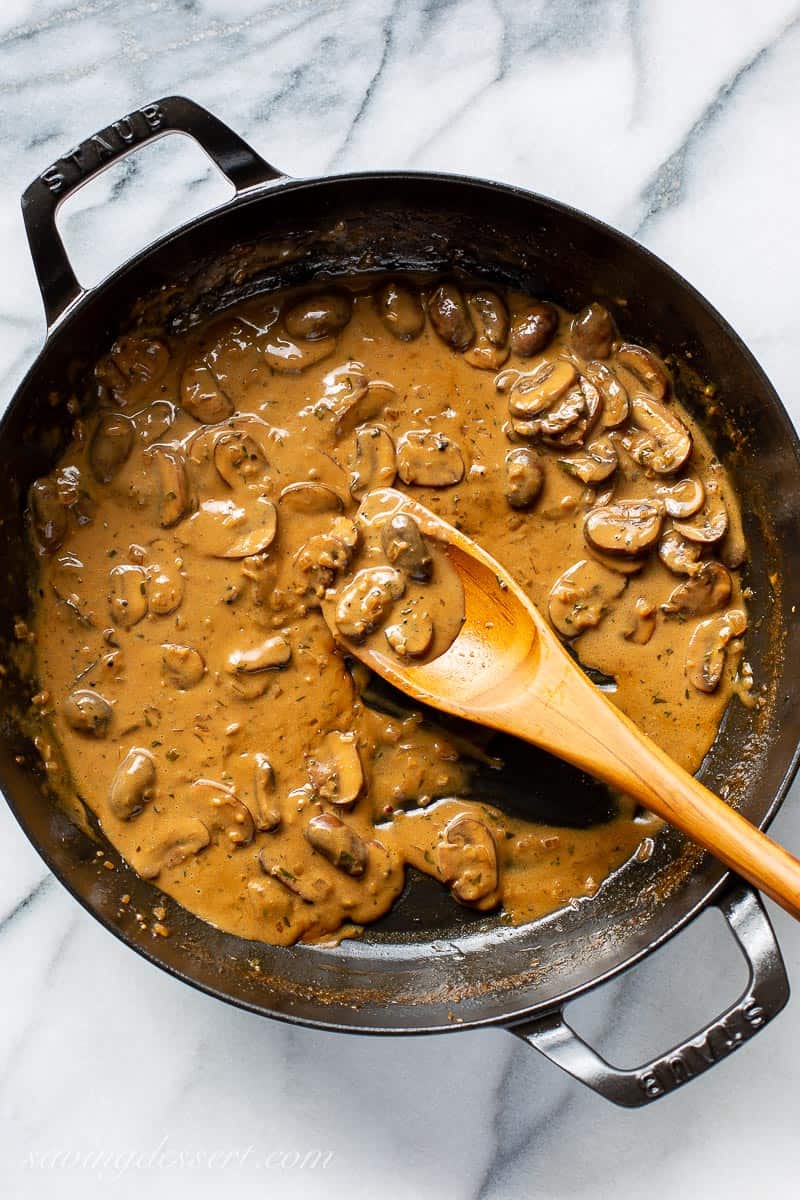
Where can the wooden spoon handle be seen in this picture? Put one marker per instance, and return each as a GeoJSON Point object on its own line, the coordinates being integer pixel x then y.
{"type": "Point", "coordinates": [578, 723]}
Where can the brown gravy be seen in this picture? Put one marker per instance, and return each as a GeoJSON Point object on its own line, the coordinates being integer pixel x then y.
{"type": "Point", "coordinates": [206, 504]}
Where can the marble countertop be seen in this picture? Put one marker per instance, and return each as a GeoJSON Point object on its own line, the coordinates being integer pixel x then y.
{"type": "Point", "coordinates": [677, 122]}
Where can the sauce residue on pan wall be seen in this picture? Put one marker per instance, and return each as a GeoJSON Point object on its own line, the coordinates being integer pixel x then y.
{"type": "Point", "coordinates": [208, 501]}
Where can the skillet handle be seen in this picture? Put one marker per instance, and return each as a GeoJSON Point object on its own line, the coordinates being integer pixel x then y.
{"type": "Point", "coordinates": [41, 200]}
{"type": "Point", "coordinates": [766, 994]}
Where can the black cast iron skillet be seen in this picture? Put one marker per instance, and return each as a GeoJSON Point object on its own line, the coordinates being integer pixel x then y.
{"type": "Point", "coordinates": [428, 966]}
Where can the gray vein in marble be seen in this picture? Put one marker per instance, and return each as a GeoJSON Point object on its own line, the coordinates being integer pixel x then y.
{"type": "Point", "coordinates": [387, 37]}
{"type": "Point", "coordinates": [41, 889]}
{"type": "Point", "coordinates": [665, 188]}
{"type": "Point", "coordinates": [56, 21]}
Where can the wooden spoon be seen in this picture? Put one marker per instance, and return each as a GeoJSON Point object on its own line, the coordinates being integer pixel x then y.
{"type": "Point", "coordinates": [508, 670]}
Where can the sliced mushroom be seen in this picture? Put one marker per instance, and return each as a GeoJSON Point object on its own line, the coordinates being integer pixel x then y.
{"type": "Point", "coordinates": [643, 623]}
{"type": "Point", "coordinates": [523, 477]}
{"type": "Point", "coordinates": [582, 595]}
{"type": "Point", "coordinates": [337, 842]}
{"type": "Point", "coordinates": [490, 318]}
{"type": "Point", "coordinates": [324, 555]}
{"type": "Point", "coordinates": [683, 498]}
{"type": "Point", "coordinates": [406, 548]}
{"type": "Point", "coordinates": [704, 592]}
{"type": "Point", "coordinates": [450, 316]}
{"type": "Point", "coordinates": [658, 441]}
{"type": "Point", "coordinates": [186, 836]}
{"type": "Point", "coordinates": [375, 460]}
{"type": "Point", "coordinates": [223, 812]}
{"type": "Point", "coordinates": [154, 422]}
{"type": "Point", "coordinates": [533, 392]}
{"type": "Point", "coordinates": [170, 467]}
{"type": "Point", "coordinates": [288, 356]}
{"type": "Point", "coordinates": [110, 447]}
{"type": "Point", "coordinates": [334, 769]}
{"type": "Point", "coordinates": [628, 527]}
{"type": "Point", "coordinates": [265, 809]}
{"type": "Point", "coordinates": [203, 396]}
{"type": "Point", "coordinates": [363, 605]}
{"type": "Point", "coordinates": [306, 499]}
{"type": "Point", "coordinates": [362, 404]}
{"type": "Point", "coordinates": [401, 310]}
{"type": "Point", "coordinates": [594, 465]}
{"type": "Point", "coordinates": [705, 658]}
{"type": "Point", "coordinates": [613, 394]}
{"type": "Point", "coordinates": [133, 784]}
{"type": "Point", "coordinates": [164, 589]}
{"type": "Point", "coordinates": [466, 859]}
{"type": "Point", "coordinates": [183, 666]}
{"type": "Point", "coordinates": [87, 711]}
{"type": "Point", "coordinates": [320, 316]}
{"type": "Point", "coordinates": [429, 459]}
{"type": "Point", "coordinates": [274, 651]}
{"type": "Point", "coordinates": [128, 595]}
{"type": "Point", "coordinates": [592, 332]}
{"type": "Point", "coordinates": [48, 515]}
{"type": "Point", "coordinates": [644, 365]}
{"type": "Point", "coordinates": [711, 522]}
{"type": "Point", "coordinates": [564, 415]}
{"type": "Point", "coordinates": [239, 458]}
{"type": "Point", "coordinates": [133, 365]}
{"type": "Point", "coordinates": [679, 555]}
{"type": "Point", "coordinates": [411, 636]}
{"type": "Point", "coordinates": [230, 528]}
{"type": "Point", "coordinates": [533, 328]}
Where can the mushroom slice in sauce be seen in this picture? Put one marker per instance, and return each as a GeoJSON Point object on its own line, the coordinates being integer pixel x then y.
{"type": "Point", "coordinates": [705, 658]}
{"type": "Point", "coordinates": [523, 477]}
{"type": "Point", "coordinates": [364, 603]}
{"type": "Point", "coordinates": [466, 858]}
{"type": "Point", "coordinates": [164, 589]}
{"type": "Point", "coordinates": [133, 784]}
{"type": "Point", "coordinates": [429, 459]}
{"type": "Point", "coordinates": [658, 441]}
{"type": "Point", "coordinates": [334, 769]}
{"type": "Point", "coordinates": [647, 369]}
{"type": "Point", "coordinates": [592, 332]}
{"type": "Point", "coordinates": [533, 328]}
{"type": "Point", "coordinates": [629, 527]}
{"type": "Point", "coordinates": [406, 548]}
{"type": "Point", "coordinates": [612, 393]}
{"type": "Point", "coordinates": [227, 528]}
{"type": "Point", "coordinates": [533, 392]}
{"type": "Point", "coordinates": [265, 809]}
{"type": "Point", "coordinates": [170, 467]}
{"type": "Point", "coordinates": [310, 891]}
{"type": "Point", "coordinates": [708, 590]}
{"type": "Point", "coordinates": [110, 447]}
{"type": "Point", "coordinates": [183, 666]}
{"type": "Point", "coordinates": [87, 711]}
{"type": "Point", "coordinates": [711, 522]}
{"type": "Point", "coordinates": [401, 310]}
{"type": "Point", "coordinates": [202, 394]}
{"type": "Point", "coordinates": [679, 555]}
{"type": "Point", "coordinates": [238, 458]}
{"type": "Point", "coordinates": [490, 317]}
{"type": "Point", "coordinates": [375, 462]}
{"type": "Point", "coordinates": [411, 636]}
{"type": "Point", "coordinates": [450, 316]}
{"type": "Point", "coordinates": [185, 837]}
{"type": "Point", "coordinates": [565, 414]}
{"type": "Point", "coordinates": [580, 598]}
{"type": "Point", "coordinates": [48, 515]}
{"type": "Point", "coordinates": [319, 316]}
{"type": "Point", "coordinates": [337, 842]}
{"type": "Point", "coordinates": [272, 652]}
{"type": "Point", "coordinates": [320, 559]}
{"type": "Point", "coordinates": [221, 811]}
{"type": "Point", "coordinates": [289, 356]}
{"type": "Point", "coordinates": [594, 465]}
{"type": "Point", "coordinates": [128, 595]}
{"type": "Point", "coordinates": [683, 498]}
{"type": "Point", "coordinates": [132, 365]}
{"type": "Point", "coordinates": [309, 499]}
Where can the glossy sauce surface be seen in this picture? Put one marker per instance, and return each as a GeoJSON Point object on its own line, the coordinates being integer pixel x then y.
{"type": "Point", "coordinates": [190, 532]}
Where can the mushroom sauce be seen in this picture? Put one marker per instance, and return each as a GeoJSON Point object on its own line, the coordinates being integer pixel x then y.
{"type": "Point", "coordinates": [209, 503]}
